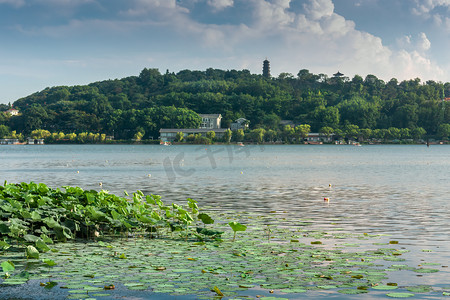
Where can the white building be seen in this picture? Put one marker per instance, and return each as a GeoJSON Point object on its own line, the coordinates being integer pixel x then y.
{"type": "Point", "coordinates": [12, 112]}
{"type": "Point", "coordinates": [240, 123]}
{"type": "Point", "coordinates": [210, 121]}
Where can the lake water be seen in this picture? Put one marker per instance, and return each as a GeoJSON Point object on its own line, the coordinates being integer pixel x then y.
{"type": "Point", "coordinates": [401, 191]}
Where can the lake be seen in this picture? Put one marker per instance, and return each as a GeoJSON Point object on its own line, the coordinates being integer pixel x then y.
{"type": "Point", "coordinates": [398, 190]}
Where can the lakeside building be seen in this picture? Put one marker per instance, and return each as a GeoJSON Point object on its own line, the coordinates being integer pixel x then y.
{"type": "Point", "coordinates": [318, 138]}
{"type": "Point", "coordinates": [31, 141]}
{"type": "Point", "coordinates": [9, 141]}
{"type": "Point", "coordinates": [210, 121]}
{"type": "Point", "coordinates": [170, 134]}
{"type": "Point", "coordinates": [240, 123]}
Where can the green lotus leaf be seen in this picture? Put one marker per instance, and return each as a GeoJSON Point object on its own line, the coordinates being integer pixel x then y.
{"type": "Point", "coordinates": [8, 266]}
{"type": "Point", "coordinates": [32, 252]}
{"type": "Point", "coordinates": [352, 291]}
{"type": "Point", "coordinates": [385, 287]}
{"type": "Point", "coordinates": [424, 270]}
{"type": "Point", "coordinates": [205, 218]}
{"type": "Point", "coordinates": [419, 289]}
{"type": "Point", "coordinates": [400, 295]}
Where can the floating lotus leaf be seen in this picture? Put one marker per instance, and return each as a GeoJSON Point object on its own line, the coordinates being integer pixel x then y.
{"type": "Point", "coordinates": [352, 291]}
{"type": "Point", "coordinates": [419, 289]}
{"type": "Point", "coordinates": [424, 270]}
{"type": "Point", "coordinates": [7, 266]}
{"type": "Point", "coordinates": [384, 287]}
{"type": "Point", "coordinates": [400, 295]}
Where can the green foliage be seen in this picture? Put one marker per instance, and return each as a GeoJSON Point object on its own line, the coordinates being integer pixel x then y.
{"type": "Point", "coordinates": [36, 216]}
{"type": "Point", "coordinates": [235, 226]}
{"type": "Point", "coordinates": [179, 136]}
{"type": "Point", "coordinates": [138, 106]}
{"type": "Point", "coordinates": [4, 131]}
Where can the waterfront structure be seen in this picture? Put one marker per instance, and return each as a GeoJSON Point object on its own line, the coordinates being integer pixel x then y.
{"type": "Point", "coordinates": [266, 68]}
{"type": "Point", "coordinates": [31, 141]}
{"type": "Point", "coordinates": [240, 123]}
{"type": "Point", "coordinates": [9, 141]}
{"type": "Point", "coordinates": [318, 138]}
{"type": "Point", "coordinates": [210, 121]}
{"type": "Point", "coordinates": [170, 134]}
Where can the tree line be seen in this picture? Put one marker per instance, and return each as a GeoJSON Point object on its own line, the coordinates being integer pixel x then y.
{"type": "Point", "coordinates": [136, 107]}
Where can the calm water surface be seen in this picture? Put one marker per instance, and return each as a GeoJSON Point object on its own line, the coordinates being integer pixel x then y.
{"type": "Point", "coordinates": [398, 190]}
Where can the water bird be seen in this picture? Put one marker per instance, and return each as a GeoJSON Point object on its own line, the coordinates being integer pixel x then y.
{"type": "Point", "coordinates": [78, 172]}
{"type": "Point", "coordinates": [149, 175]}
{"type": "Point", "coordinates": [100, 184]}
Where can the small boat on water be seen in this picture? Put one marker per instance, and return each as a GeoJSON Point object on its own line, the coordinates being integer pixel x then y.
{"type": "Point", "coordinates": [166, 143]}
{"type": "Point", "coordinates": [240, 144]}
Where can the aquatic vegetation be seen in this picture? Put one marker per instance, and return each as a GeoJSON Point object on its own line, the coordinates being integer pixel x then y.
{"type": "Point", "coordinates": [36, 215]}
{"type": "Point", "coordinates": [144, 245]}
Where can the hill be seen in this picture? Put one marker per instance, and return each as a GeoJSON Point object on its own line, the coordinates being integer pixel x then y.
{"type": "Point", "coordinates": [152, 100]}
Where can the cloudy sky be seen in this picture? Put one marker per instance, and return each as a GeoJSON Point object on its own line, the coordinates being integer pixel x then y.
{"type": "Point", "coordinates": [68, 42]}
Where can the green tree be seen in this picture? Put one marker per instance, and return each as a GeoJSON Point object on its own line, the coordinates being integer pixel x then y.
{"type": "Point", "coordinates": [257, 135]}
{"type": "Point", "coordinates": [4, 131]}
{"type": "Point", "coordinates": [302, 131]}
{"type": "Point", "coordinates": [239, 135]}
{"type": "Point", "coordinates": [271, 135]}
{"type": "Point", "coordinates": [227, 135]}
{"type": "Point", "coordinates": [288, 133]}
{"type": "Point", "coordinates": [366, 133]}
{"type": "Point", "coordinates": [444, 131]}
{"type": "Point", "coordinates": [138, 136]}
{"type": "Point", "coordinates": [40, 134]}
{"type": "Point", "coordinates": [179, 137]}
{"type": "Point", "coordinates": [351, 131]}
{"type": "Point", "coordinates": [211, 135]}
{"type": "Point", "coordinates": [393, 133]}
{"type": "Point", "coordinates": [326, 131]}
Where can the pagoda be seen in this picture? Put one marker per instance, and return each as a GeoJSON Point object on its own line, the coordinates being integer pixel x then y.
{"type": "Point", "coordinates": [266, 68]}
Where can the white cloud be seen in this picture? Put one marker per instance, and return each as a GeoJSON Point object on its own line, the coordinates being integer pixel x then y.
{"type": "Point", "coordinates": [419, 43]}
{"type": "Point", "coordinates": [220, 4]}
{"type": "Point", "coordinates": [424, 7]}
{"type": "Point", "coordinates": [15, 3]}
{"type": "Point", "coordinates": [324, 41]}
{"type": "Point", "coordinates": [318, 39]}
{"type": "Point", "coordinates": [144, 7]}
{"type": "Point", "coordinates": [70, 3]}
{"type": "Point", "coordinates": [317, 9]}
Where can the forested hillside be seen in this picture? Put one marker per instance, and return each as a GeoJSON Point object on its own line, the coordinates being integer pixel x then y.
{"type": "Point", "coordinates": [152, 100]}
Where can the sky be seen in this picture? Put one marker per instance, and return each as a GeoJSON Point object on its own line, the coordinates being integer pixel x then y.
{"type": "Point", "coordinates": [45, 43]}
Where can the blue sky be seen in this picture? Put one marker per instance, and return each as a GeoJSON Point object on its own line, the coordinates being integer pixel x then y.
{"type": "Point", "coordinates": [46, 43]}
